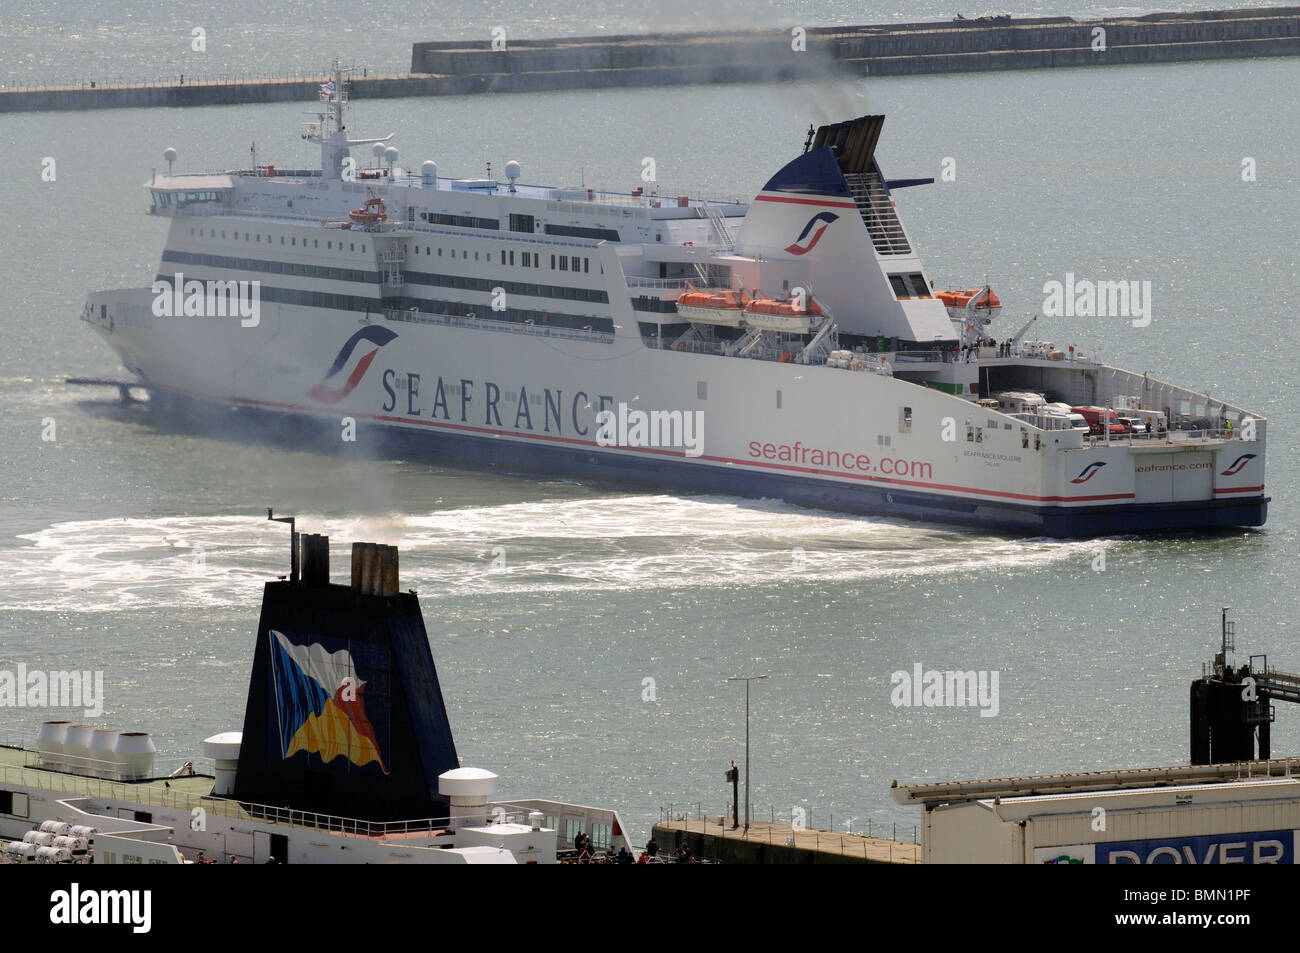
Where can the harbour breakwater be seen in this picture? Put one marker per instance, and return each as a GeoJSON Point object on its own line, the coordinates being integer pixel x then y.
{"type": "Point", "coordinates": [500, 64]}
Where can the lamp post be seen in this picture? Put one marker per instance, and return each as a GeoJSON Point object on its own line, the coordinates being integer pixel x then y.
{"type": "Point", "coordinates": [746, 679]}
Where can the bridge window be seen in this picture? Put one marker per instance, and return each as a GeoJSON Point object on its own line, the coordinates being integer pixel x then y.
{"type": "Point", "coordinates": [911, 285]}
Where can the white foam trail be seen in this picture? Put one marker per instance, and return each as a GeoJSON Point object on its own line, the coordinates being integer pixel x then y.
{"type": "Point", "coordinates": [615, 543]}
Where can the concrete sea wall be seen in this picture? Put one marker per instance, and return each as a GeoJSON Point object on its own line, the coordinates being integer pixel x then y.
{"type": "Point", "coordinates": [466, 67]}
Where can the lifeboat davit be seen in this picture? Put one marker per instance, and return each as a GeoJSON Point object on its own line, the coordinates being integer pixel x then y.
{"type": "Point", "coordinates": [770, 314]}
{"type": "Point", "coordinates": [372, 210]}
{"type": "Point", "coordinates": [987, 307]}
{"type": "Point", "coordinates": [722, 307]}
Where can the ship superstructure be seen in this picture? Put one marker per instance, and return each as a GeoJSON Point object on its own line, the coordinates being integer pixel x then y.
{"type": "Point", "coordinates": [800, 332]}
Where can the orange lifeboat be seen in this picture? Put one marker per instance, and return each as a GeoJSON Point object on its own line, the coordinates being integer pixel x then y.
{"type": "Point", "coordinates": [771, 314]}
{"type": "Point", "coordinates": [718, 306]}
{"type": "Point", "coordinates": [372, 211]}
{"type": "Point", "coordinates": [988, 305]}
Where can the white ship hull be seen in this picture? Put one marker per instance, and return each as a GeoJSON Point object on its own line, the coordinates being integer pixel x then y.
{"type": "Point", "coordinates": [528, 401]}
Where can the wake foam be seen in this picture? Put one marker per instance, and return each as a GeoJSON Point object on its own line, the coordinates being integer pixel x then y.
{"type": "Point", "coordinates": [616, 543]}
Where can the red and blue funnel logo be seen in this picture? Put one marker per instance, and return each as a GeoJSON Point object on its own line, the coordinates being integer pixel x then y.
{"type": "Point", "coordinates": [353, 359]}
{"type": "Point", "coordinates": [1238, 465]}
{"type": "Point", "coordinates": [1088, 472]}
{"type": "Point", "coordinates": [321, 703]}
{"type": "Point", "coordinates": [824, 219]}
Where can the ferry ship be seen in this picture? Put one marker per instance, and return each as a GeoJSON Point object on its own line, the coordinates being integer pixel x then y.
{"type": "Point", "coordinates": [797, 337]}
{"type": "Point", "coordinates": [346, 757]}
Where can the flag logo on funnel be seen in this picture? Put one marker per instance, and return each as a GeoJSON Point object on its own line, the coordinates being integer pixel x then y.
{"type": "Point", "coordinates": [336, 385]}
{"type": "Point", "coordinates": [321, 703]}
{"type": "Point", "coordinates": [823, 219]}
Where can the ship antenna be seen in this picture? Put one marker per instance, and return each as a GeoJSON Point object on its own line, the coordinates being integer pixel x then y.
{"type": "Point", "coordinates": [293, 541]}
{"type": "Point", "coordinates": [808, 142]}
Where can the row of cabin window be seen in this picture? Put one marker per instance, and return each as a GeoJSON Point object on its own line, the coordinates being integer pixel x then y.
{"type": "Point", "coordinates": [527, 259]}
{"type": "Point", "coordinates": [257, 236]}
{"type": "Point", "coordinates": [464, 282]}
{"type": "Point", "coordinates": [273, 267]}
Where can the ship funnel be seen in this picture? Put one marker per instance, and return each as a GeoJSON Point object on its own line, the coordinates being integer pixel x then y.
{"type": "Point", "coordinates": [314, 559]}
{"type": "Point", "coordinates": [374, 569]}
{"type": "Point", "coordinates": [345, 714]}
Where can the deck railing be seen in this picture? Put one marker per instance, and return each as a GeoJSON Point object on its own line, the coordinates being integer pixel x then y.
{"type": "Point", "coordinates": [149, 794]}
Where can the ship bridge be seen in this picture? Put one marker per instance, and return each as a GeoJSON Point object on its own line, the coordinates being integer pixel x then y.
{"type": "Point", "coordinates": [170, 192]}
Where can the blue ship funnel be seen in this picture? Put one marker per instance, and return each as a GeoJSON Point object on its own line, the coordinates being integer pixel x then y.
{"type": "Point", "coordinates": [345, 714]}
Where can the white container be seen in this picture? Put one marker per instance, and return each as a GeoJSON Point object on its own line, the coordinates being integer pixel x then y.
{"type": "Point", "coordinates": [53, 855]}
{"type": "Point", "coordinates": [50, 741]}
{"type": "Point", "coordinates": [21, 851]}
{"type": "Point", "coordinates": [57, 828]}
{"type": "Point", "coordinates": [39, 838]}
{"type": "Point", "coordinates": [74, 844]}
{"type": "Point", "coordinates": [76, 748]}
{"type": "Point", "coordinates": [103, 762]}
{"type": "Point", "coordinates": [134, 754]}
{"type": "Point", "coordinates": [81, 830]}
